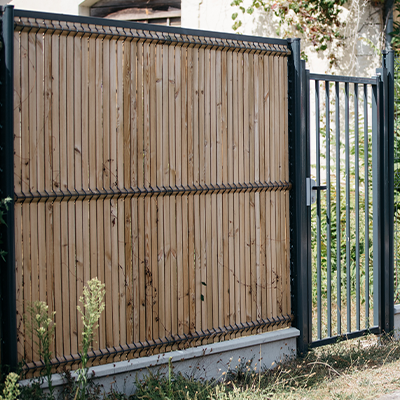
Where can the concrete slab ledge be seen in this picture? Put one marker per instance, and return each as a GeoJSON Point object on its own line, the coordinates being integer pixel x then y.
{"type": "Point", "coordinates": [203, 362]}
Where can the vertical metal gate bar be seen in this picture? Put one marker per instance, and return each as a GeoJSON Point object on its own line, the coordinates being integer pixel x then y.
{"type": "Point", "coordinates": [328, 208]}
{"type": "Point", "coordinates": [366, 185]}
{"type": "Point", "coordinates": [338, 229]}
{"type": "Point", "coordinates": [318, 178]}
{"type": "Point", "coordinates": [357, 199]}
{"type": "Point", "coordinates": [8, 282]}
{"type": "Point", "coordinates": [347, 171]}
{"type": "Point", "coordinates": [375, 202]}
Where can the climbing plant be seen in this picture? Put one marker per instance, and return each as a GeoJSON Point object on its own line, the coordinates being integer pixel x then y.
{"type": "Point", "coordinates": [316, 20]}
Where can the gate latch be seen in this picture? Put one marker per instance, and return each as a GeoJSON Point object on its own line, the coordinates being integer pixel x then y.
{"type": "Point", "coordinates": [311, 191]}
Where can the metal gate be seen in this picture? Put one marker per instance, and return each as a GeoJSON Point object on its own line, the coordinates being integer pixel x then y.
{"type": "Point", "coordinates": [342, 205]}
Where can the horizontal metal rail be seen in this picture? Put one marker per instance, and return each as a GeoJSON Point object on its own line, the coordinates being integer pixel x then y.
{"type": "Point", "coordinates": [342, 79]}
{"type": "Point", "coordinates": [150, 191]}
{"type": "Point", "coordinates": [166, 343]}
{"type": "Point", "coordinates": [347, 336]}
{"type": "Point", "coordinates": [30, 20]}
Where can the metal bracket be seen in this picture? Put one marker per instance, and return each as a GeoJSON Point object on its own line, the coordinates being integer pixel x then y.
{"type": "Point", "coordinates": [311, 191]}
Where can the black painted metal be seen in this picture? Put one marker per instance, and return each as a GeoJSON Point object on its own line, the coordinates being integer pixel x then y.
{"type": "Point", "coordinates": [299, 220]}
{"type": "Point", "coordinates": [341, 78]}
{"type": "Point", "coordinates": [165, 33]}
{"type": "Point", "coordinates": [150, 191]}
{"type": "Point", "coordinates": [166, 343]}
{"type": "Point", "coordinates": [8, 289]}
{"type": "Point", "coordinates": [347, 336]}
{"type": "Point", "coordinates": [385, 205]}
{"type": "Point", "coordinates": [382, 166]}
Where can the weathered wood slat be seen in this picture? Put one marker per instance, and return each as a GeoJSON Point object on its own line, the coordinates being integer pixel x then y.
{"type": "Point", "coordinates": [122, 115]}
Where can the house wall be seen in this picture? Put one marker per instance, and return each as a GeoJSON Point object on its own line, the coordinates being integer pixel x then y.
{"type": "Point", "coordinates": [74, 7]}
{"type": "Point", "coordinates": [359, 57]}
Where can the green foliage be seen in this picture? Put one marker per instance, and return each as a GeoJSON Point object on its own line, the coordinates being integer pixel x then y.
{"type": "Point", "coordinates": [11, 389]}
{"type": "Point", "coordinates": [93, 304]}
{"type": "Point", "coordinates": [317, 20]}
{"type": "Point", "coordinates": [41, 327]}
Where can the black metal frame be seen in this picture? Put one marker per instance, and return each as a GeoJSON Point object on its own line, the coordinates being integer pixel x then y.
{"type": "Point", "coordinates": [383, 158]}
{"type": "Point", "coordinates": [299, 170]}
{"type": "Point", "coordinates": [7, 267]}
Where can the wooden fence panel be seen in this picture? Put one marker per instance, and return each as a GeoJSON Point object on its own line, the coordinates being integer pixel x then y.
{"type": "Point", "coordinates": [162, 169]}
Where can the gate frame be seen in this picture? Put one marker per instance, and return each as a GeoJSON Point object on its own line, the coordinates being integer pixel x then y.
{"type": "Point", "coordinates": [300, 214]}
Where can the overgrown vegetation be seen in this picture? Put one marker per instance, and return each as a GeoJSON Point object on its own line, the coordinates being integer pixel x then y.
{"type": "Point", "coordinates": [317, 20]}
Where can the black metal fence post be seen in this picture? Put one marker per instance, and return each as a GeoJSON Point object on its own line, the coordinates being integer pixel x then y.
{"type": "Point", "coordinates": [7, 285]}
{"type": "Point", "coordinates": [299, 212]}
{"type": "Point", "coordinates": [383, 170]}
{"type": "Point", "coordinates": [388, 104]}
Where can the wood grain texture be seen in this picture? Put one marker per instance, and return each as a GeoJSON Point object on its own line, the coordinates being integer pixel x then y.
{"type": "Point", "coordinates": [95, 112]}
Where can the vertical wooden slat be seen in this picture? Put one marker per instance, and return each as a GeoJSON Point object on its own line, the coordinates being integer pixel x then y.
{"type": "Point", "coordinates": [109, 340]}
{"type": "Point", "coordinates": [147, 177]}
{"type": "Point", "coordinates": [277, 139]}
{"type": "Point", "coordinates": [18, 54]}
{"type": "Point", "coordinates": [186, 265]}
{"type": "Point", "coordinates": [227, 199]}
{"type": "Point", "coordinates": [85, 162]}
{"type": "Point", "coordinates": [132, 298]}
{"type": "Point", "coordinates": [125, 274]}
{"type": "Point", "coordinates": [160, 200]}
{"type": "Point", "coordinates": [190, 158]}
{"type": "Point", "coordinates": [285, 177]}
{"type": "Point", "coordinates": [40, 165]}
{"type": "Point", "coordinates": [172, 182]}
{"type": "Point", "coordinates": [70, 99]}
{"type": "Point", "coordinates": [257, 88]}
{"type": "Point", "coordinates": [166, 182]}
{"type": "Point", "coordinates": [196, 180]}
{"type": "Point", "coordinates": [213, 197]}
{"type": "Point", "coordinates": [99, 177]}
{"type": "Point", "coordinates": [221, 163]}
{"type": "Point", "coordinates": [92, 157]}
{"type": "Point", "coordinates": [79, 80]}
{"type": "Point", "coordinates": [252, 161]}
{"type": "Point", "coordinates": [153, 183]}
{"type": "Point", "coordinates": [56, 187]}
{"type": "Point", "coordinates": [115, 222]}
{"type": "Point", "coordinates": [208, 261]}
{"type": "Point", "coordinates": [120, 294]}
{"type": "Point", "coordinates": [242, 197]}
{"type": "Point", "coordinates": [272, 156]}
{"type": "Point", "coordinates": [65, 273]}
{"type": "Point", "coordinates": [33, 154]}
{"type": "Point", "coordinates": [178, 199]}
{"type": "Point", "coordinates": [233, 176]}
{"type": "Point", "coordinates": [246, 156]}
{"type": "Point", "coordinates": [203, 248]}
{"type": "Point", "coordinates": [261, 295]}
{"type": "Point", "coordinates": [267, 177]}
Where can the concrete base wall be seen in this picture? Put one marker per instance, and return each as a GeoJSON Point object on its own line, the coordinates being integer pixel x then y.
{"type": "Point", "coordinates": [397, 321]}
{"type": "Point", "coordinates": [203, 362]}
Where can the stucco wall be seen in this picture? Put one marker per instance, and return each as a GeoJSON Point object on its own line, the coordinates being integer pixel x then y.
{"type": "Point", "coordinates": [74, 7]}
{"type": "Point", "coordinates": [357, 58]}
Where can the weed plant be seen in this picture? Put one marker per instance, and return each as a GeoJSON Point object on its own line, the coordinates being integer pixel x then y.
{"type": "Point", "coordinates": [41, 327]}
{"type": "Point", "coordinates": [11, 388]}
{"type": "Point", "coordinates": [93, 305]}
